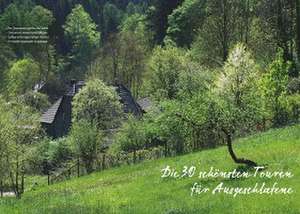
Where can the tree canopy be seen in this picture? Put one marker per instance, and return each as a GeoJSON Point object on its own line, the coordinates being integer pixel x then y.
{"type": "Point", "coordinates": [98, 104]}
{"type": "Point", "coordinates": [83, 35]}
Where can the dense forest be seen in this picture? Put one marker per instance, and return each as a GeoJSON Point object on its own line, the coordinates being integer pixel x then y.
{"type": "Point", "coordinates": [212, 70]}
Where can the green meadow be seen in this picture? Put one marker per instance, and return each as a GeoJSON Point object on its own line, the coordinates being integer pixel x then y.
{"type": "Point", "coordinates": [140, 188]}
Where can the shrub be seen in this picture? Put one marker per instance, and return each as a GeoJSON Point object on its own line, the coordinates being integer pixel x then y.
{"type": "Point", "coordinates": [86, 141]}
{"type": "Point", "coordinates": [131, 137]}
{"type": "Point", "coordinates": [274, 88]}
{"type": "Point", "coordinates": [98, 104]}
{"type": "Point", "coordinates": [49, 155]}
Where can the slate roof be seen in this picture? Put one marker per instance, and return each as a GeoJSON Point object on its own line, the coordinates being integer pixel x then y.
{"type": "Point", "coordinates": [71, 91]}
{"type": "Point", "coordinates": [49, 115]}
{"type": "Point", "coordinates": [145, 104]}
{"type": "Point", "coordinates": [129, 104]}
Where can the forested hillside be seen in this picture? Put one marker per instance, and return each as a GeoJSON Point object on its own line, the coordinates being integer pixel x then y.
{"type": "Point", "coordinates": [88, 85]}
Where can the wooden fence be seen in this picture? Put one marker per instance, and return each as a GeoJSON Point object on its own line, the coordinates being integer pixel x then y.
{"type": "Point", "coordinates": [103, 162]}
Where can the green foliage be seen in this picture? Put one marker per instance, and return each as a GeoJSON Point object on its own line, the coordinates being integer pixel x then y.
{"type": "Point", "coordinates": [123, 57]}
{"type": "Point", "coordinates": [184, 22]}
{"type": "Point", "coordinates": [131, 136]}
{"type": "Point", "coordinates": [12, 16]}
{"type": "Point", "coordinates": [238, 87]}
{"type": "Point", "coordinates": [136, 25]}
{"type": "Point", "coordinates": [171, 130]}
{"type": "Point", "coordinates": [218, 33]}
{"type": "Point", "coordinates": [134, 40]}
{"type": "Point", "coordinates": [22, 76]}
{"type": "Point", "coordinates": [41, 17]}
{"type": "Point", "coordinates": [203, 117]}
{"type": "Point", "coordinates": [82, 33]}
{"type": "Point", "coordinates": [232, 107]}
{"type": "Point", "coordinates": [262, 42]}
{"type": "Point", "coordinates": [193, 80]}
{"type": "Point", "coordinates": [6, 128]}
{"type": "Point", "coordinates": [131, 9]}
{"type": "Point", "coordinates": [158, 128]}
{"type": "Point", "coordinates": [19, 128]}
{"type": "Point", "coordinates": [203, 94]}
{"type": "Point", "coordinates": [49, 156]}
{"type": "Point", "coordinates": [6, 56]}
{"type": "Point", "coordinates": [26, 15]}
{"type": "Point", "coordinates": [240, 72]}
{"type": "Point", "coordinates": [172, 74]}
{"type": "Point", "coordinates": [157, 15]}
{"type": "Point", "coordinates": [86, 140]}
{"type": "Point", "coordinates": [36, 100]}
{"type": "Point", "coordinates": [165, 66]}
{"type": "Point", "coordinates": [98, 104]}
{"type": "Point", "coordinates": [25, 122]}
{"type": "Point", "coordinates": [274, 86]}
{"type": "Point", "coordinates": [292, 105]}
{"type": "Point", "coordinates": [112, 18]}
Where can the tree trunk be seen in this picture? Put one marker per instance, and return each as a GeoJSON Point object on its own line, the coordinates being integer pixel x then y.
{"type": "Point", "coordinates": [48, 178]}
{"type": "Point", "coordinates": [1, 188]}
{"type": "Point", "coordinates": [78, 168]}
{"type": "Point", "coordinates": [225, 30]}
{"type": "Point", "coordinates": [134, 156]}
{"type": "Point", "coordinates": [298, 27]}
{"type": "Point", "coordinates": [229, 145]}
{"type": "Point", "coordinates": [233, 155]}
{"type": "Point", "coordinates": [115, 65]}
{"type": "Point", "coordinates": [18, 195]}
{"type": "Point", "coordinates": [11, 176]}
{"type": "Point", "coordinates": [103, 161]}
{"type": "Point", "coordinates": [88, 166]}
{"type": "Point", "coordinates": [22, 183]}
{"type": "Point", "coordinates": [166, 149]}
{"type": "Point", "coordinates": [247, 21]}
{"type": "Point", "coordinates": [282, 31]}
{"type": "Point", "coordinates": [13, 183]}
{"type": "Point", "coordinates": [49, 63]}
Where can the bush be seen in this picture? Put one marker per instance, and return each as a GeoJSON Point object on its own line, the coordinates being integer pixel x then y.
{"type": "Point", "coordinates": [36, 100]}
{"type": "Point", "coordinates": [86, 142]}
{"type": "Point", "coordinates": [164, 68]}
{"type": "Point", "coordinates": [131, 137]}
{"type": "Point", "coordinates": [274, 88]}
{"type": "Point", "coordinates": [98, 104]}
{"type": "Point", "coordinates": [22, 76]}
{"type": "Point", "coordinates": [49, 156]}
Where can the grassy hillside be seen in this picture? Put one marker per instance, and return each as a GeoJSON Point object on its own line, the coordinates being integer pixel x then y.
{"type": "Point", "coordinates": [139, 188]}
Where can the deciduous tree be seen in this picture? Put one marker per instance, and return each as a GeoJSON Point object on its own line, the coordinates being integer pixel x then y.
{"type": "Point", "coordinates": [86, 140]}
{"type": "Point", "coordinates": [98, 104]}
{"type": "Point", "coordinates": [22, 76]}
{"type": "Point", "coordinates": [83, 35]}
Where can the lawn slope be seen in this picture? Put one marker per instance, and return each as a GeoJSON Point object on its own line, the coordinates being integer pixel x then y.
{"type": "Point", "coordinates": [139, 188]}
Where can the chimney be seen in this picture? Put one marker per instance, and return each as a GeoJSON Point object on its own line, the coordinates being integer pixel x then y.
{"type": "Point", "coordinates": [72, 82]}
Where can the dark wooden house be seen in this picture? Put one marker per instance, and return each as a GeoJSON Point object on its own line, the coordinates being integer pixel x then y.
{"type": "Point", "coordinates": [57, 120]}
